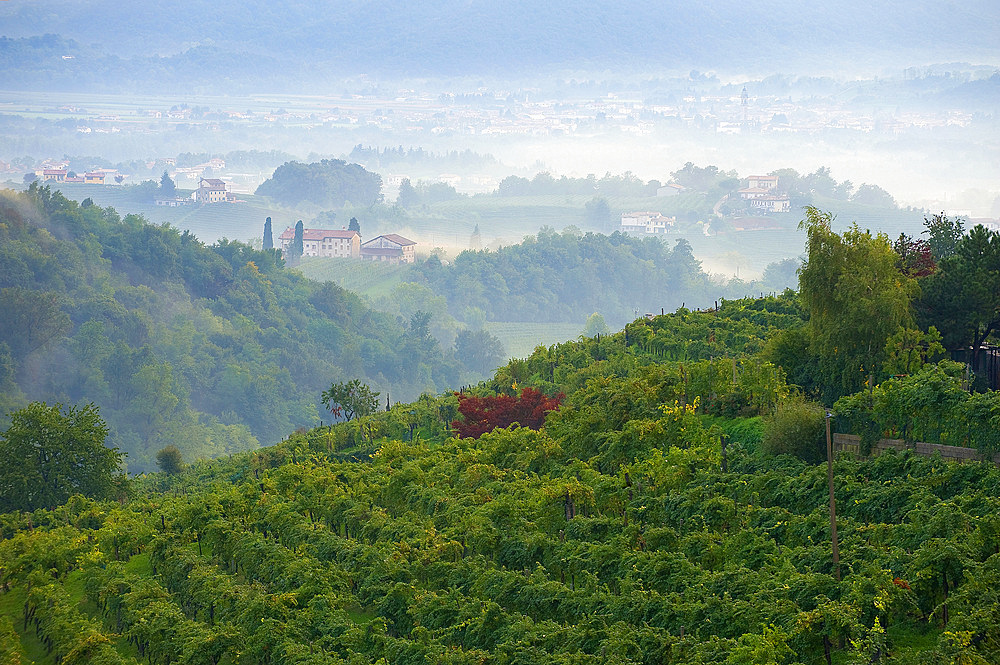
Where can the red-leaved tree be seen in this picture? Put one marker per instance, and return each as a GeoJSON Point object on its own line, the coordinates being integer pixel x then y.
{"type": "Point", "coordinates": [484, 414]}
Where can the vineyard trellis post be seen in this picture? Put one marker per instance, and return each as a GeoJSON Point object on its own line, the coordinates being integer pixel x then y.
{"type": "Point", "coordinates": [833, 505]}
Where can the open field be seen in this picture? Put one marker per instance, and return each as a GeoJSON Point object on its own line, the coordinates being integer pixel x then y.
{"type": "Point", "coordinates": [365, 278]}
{"type": "Point", "coordinates": [520, 339]}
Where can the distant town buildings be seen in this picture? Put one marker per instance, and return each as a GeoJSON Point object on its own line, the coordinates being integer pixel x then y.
{"type": "Point", "coordinates": [762, 181]}
{"type": "Point", "coordinates": [645, 222]}
{"type": "Point", "coordinates": [55, 175]}
{"type": "Point", "coordinates": [769, 203]}
{"type": "Point", "coordinates": [175, 202]}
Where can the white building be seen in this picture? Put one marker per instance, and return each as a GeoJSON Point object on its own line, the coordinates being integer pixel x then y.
{"type": "Point", "coordinates": [771, 203]}
{"type": "Point", "coordinates": [645, 222]}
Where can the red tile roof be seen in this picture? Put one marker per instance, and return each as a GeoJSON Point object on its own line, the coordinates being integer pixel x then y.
{"type": "Point", "coordinates": [318, 234]}
{"type": "Point", "coordinates": [394, 238]}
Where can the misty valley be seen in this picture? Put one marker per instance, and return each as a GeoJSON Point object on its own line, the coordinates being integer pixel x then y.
{"type": "Point", "coordinates": [507, 334]}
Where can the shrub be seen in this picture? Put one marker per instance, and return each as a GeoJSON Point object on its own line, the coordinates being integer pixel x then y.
{"type": "Point", "coordinates": [484, 414]}
{"type": "Point", "coordinates": [748, 432]}
{"type": "Point", "coordinates": [169, 460]}
{"type": "Point", "coordinates": [796, 428]}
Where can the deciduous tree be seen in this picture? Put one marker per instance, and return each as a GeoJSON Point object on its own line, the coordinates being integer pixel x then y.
{"type": "Point", "coordinates": [50, 453]}
{"type": "Point", "coordinates": [856, 299]}
{"type": "Point", "coordinates": [169, 460]}
{"type": "Point", "coordinates": [30, 320]}
{"type": "Point", "coordinates": [962, 298]}
{"type": "Point", "coordinates": [479, 350]}
{"type": "Point", "coordinates": [484, 414]}
{"type": "Point", "coordinates": [351, 400]}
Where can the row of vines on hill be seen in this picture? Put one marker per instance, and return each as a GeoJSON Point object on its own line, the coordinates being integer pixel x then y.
{"type": "Point", "coordinates": [514, 547]}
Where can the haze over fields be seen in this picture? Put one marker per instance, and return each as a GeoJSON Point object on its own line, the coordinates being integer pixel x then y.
{"type": "Point", "coordinates": [465, 94]}
{"type": "Point", "coordinates": [902, 97]}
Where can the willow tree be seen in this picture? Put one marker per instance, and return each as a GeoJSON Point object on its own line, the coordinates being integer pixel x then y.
{"type": "Point", "coordinates": [856, 299]}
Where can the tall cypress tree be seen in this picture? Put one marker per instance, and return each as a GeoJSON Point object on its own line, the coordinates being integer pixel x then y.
{"type": "Point", "coordinates": [268, 238]}
{"type": "Point", "coordinates": [297, 240]}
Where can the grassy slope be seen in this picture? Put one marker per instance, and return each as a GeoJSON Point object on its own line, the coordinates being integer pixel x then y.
{"type": "Point", "coordinates": [367, 279]}
{"type": "Point", "coordinates": [236, 221]}
{"type": "Point", "coordinates": [520, 339]}
{"type": "Point", "coordinates": [32, 649]}
{"type": "Point", "coordinates": [11, 605]}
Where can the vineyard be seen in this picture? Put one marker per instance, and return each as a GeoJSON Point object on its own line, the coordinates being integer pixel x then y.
{"type": "Point", "coordinates": [619, 531]}
{"type": "Point", "coordinates": [366, 278]}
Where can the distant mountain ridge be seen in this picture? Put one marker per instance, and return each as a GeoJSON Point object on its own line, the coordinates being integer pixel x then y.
{"type": "Point", "coordinates": [267, 44]}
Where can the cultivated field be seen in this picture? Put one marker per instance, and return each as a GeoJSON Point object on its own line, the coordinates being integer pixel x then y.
{"type": "Point", "coordinates": [520, 338]}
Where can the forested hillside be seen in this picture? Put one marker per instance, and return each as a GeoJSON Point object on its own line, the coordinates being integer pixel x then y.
{"type": "Point", "coordinates": [213, 348]}
{"type": "Point", "coordinates": [567, 276]}
{"type": "Point", "coordinates": [329, 183]}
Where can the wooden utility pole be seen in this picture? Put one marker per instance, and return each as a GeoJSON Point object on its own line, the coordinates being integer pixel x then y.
{"type": "Point", "coordinates": [833, 505]}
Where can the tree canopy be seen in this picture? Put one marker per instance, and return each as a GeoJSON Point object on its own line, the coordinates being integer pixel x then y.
{"type": "Point", "coordinates": [212, 348]}
{"type": "Point", "coordinates": [50, 453]}
{"type": "Point", "coordinates": [855, 296]}
{"type": "Point", "coordinates": [350, 400]}
{"type": "Point", "coordinates": [961, 296]}
{"type": "Point", "coordinates": [328, 183]}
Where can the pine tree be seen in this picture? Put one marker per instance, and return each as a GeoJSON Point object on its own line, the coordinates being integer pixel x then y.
{"type": "Point", "coordinates": [167, 187]}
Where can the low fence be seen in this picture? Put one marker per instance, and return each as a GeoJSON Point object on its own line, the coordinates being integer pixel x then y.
{"type": "Point", "coordinates": [852, 443]}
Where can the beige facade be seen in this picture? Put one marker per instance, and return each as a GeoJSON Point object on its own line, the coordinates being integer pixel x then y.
{"type": "Point", "coordinates": [762, 182]}
{"type": "Point", "coordinates": [212, 190]}
{"type": "Point", "coordinates": [324, 242]}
